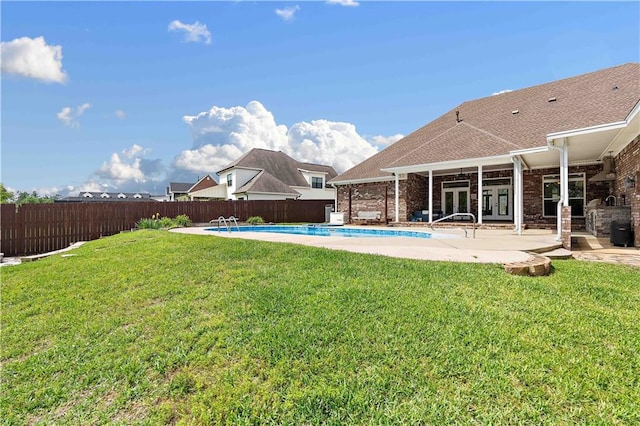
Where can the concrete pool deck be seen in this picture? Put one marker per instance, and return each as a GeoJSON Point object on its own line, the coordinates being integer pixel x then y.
{"type": "Point", "coordinates": [489, 246]}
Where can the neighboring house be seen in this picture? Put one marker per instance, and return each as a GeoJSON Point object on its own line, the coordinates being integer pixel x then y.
{"type": "Point", "coordinates": [204, 189]}
{"type": "Point", "coordinates": [100, 197]}
{"type": "Point", "coordinates": [261, 174]}
{"type": "Point", "coordinates": [520, 157]}
{"type": "Point", "coordinates": [176, 190]}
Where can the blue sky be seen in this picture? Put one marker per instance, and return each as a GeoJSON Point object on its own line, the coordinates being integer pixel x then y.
{"type": "Point", "coordinates": [131, 95]}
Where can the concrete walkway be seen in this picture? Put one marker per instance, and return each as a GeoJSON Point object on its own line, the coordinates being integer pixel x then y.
{"type": "Point", "coordinates": [489, 246]}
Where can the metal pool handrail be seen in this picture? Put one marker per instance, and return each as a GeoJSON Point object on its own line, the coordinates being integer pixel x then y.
{"type": "Point", "coordinates": [227, 224]}
{"type": "Point", "coordinates": [459, 214]}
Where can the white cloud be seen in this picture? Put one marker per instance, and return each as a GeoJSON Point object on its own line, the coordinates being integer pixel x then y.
{"type": "Point", "coordinates": [384, 141]}
{"type": "Point", "coordinates": [351, 3]}
{"type": "Point", "coordinates": [135, 149]}
{"type": "Point", "coordinates": [33, 58]}
{"type": "Point", "coordinates": [221, 135]}
{"type": "Point", "coordinates": [69, 117]}
{"type": "Point", "coordinates": [501, 92]}
{"type": "Point", "coordinates": [130, 166]}
{"type": "Point", "coordinates": [195, 32]}
{"type": "Point", "coordinates": [328, 142]}
{"type": "Point", "coordinates": [288, 13]}
{"type": "Point", "coordinates": [120, 114]}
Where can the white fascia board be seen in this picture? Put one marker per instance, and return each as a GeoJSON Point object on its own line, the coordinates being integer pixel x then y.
{"type": "Point", "coordinates": [364, 180]}
{"type": "Point", "coordinates": [238, 168]}
{"type": "Point", "coordinates": [454, 164]}
{"type": "Point", "coordinates": [585, 131]}
{"type": "Point", "coordinates": [317, 172]}
{"type": "Point", "coordinates": [285, 194]}
{"type": "Point", "coordinates": [526, 151]}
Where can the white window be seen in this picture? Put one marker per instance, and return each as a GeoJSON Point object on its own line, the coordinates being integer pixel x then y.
{"type": "Point", "coordinates": [317, 182]}
{"type": "Point", "coordinates": [121, 195]}
{"type": "Point", "coordinates": [137, 196]}
{"type": "Point", "coordinates": [551, 194]}
{"type": "Point", "coordinates": [229, 179]}
{"type": "Point", "coordinates": [87, 195]}
{"type": "Point", "coordinates": [104, 195]}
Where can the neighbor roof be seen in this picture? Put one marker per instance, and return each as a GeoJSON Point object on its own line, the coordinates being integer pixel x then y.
{"type": "Point", "coordinates": [265, 183]}
{"type": "Point", "coordinates": [521, 119]}
{"type": "Point", "coordinates": [279, 165]}
{"type": "Point", "coordinates": [182, 187]}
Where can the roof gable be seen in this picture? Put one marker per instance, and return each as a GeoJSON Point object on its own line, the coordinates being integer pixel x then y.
{"type": "Point", "coordinates": [264, 182]}
{"type": "Point", "coordinates": [206, 182]}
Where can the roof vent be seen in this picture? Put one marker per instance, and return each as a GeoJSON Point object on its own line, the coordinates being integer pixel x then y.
{"type": "Point", "coordinates": [515, 111]}
{"type": "Point", "coordinates": [615, 87]}
{"type": "Point", "coordinates": [553, 99]}
{"type": "Point", "coordinates": [458, 117]}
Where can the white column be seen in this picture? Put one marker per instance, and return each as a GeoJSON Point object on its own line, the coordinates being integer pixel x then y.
{"type": "Point", "coordinates": [480, 194]}
{"type": "Point", "coordinates": [564, 184]}
{"type": "Point", "coordinates": [565, 173]}
{"type": "Point", "coordinates": [397, 209]}
{"type": "Point", "coordinates": [430, 195]}
{"type": "Point", "coordinates": [517, 194]}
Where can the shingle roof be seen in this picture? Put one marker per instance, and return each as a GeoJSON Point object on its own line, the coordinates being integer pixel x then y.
{"type": "Point", "coordinates": [179, 186]}
{"type": "Point", "coordinates": [279, 165]}
{"type": "Point", "coordinates": [264, 182]}
{"type": "Point", "coordinates": [489, 126]}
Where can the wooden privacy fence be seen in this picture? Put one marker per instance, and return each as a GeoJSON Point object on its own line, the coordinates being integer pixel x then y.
{"type": "Point", "coordinates": [40, 228]}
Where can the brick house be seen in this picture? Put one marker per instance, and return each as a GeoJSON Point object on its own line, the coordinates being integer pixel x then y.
{"type": "Point", "coordinates": [546, 156]}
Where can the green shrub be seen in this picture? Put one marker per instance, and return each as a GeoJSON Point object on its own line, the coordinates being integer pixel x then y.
{"type": "Point", "coordinates": [166, 222]}
{"type": "Point", "coordinates": [255, 220]}
{"type": "Point", "coordinates": [157, 222]}
{"type": "Point", "coordinates": [148, 223]}
{"type": "Point", "coordinates": [182, 220]}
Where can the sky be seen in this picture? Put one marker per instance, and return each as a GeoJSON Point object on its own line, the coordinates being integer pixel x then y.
{"type": "Point", "coordinates": [128, 96]}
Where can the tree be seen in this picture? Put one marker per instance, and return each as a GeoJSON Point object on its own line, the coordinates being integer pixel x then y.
{"type": "Point", "coordinates": [6, 196]}
{"type": "Point", "coordinates": [24, 197]}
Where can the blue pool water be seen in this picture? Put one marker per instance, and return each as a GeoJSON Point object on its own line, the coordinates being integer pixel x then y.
{"type": "Point", "coordinates": [326, 231]}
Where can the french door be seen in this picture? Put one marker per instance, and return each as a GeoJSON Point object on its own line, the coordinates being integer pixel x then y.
{"type": "Point", "coordinates": [455, 197]}
{"type": "Point", "coordinates": [496, 201]}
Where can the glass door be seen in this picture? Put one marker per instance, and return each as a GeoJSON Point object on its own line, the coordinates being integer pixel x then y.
{"type": "Point", "coordinates": [496, 202]}
{"type": "Point", "coordinates": [455, 197]}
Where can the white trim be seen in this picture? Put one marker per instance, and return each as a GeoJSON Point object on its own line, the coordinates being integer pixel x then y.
{"type": "Point", "coordinates": [535, 150]}
{"type": "Point", "coordinates": [312, 171]}
{"type": "Point", "coordinates": [453, 164]}
{"type": "Point", "coordinates": [238, 167]}
{"type": "Point", "coordinates": [586, 130]}
{"type": "Point", "coordinates": [363, 180]}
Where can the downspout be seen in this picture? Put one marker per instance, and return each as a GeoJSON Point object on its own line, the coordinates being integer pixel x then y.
{"type": "Point", "coordinates": [564, 181]}
{"type": "Point", "coordinates": [397, 207]}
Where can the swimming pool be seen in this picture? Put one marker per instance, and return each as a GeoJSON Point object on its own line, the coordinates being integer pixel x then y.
{"type": "Point", "coordinates": [327, 231]}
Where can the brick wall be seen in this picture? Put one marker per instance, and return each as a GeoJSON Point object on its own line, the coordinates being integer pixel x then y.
{"type": "Point", "coordinates": [532, 195]}
{"type": "Point", "coordinates": [368, 197]}
{"type": "Point", "coordinates": [371, 196]}
{"type": "Point", "coordinates": [627, 163]}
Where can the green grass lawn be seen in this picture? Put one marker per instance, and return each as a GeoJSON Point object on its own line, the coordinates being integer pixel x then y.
{"type": "Point", "coordinates": [154, 327]}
